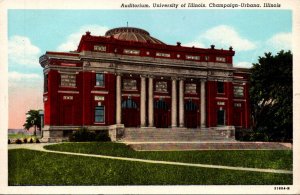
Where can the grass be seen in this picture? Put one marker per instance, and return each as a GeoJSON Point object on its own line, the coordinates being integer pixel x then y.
{"type": "Point", "coordinates": [28, 167]}
{"type": "Point", "coordinates": [21, 136]}
{"type": "Point", "coordinates": [272, 159]}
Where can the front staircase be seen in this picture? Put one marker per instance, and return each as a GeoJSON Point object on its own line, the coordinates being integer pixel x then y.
{"type": "Point", "coordinates": [174, 135]}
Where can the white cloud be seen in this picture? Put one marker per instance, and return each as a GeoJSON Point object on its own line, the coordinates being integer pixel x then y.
{"type": "Point", "coordinates": [280, 41]}
{"type": "Point", "coordinates": [194, 43]}
{"type": "Point", "coordinates": [243, 65]}
{"type": "Point", "coordinates": [21, 81]}
{"type": "Point", "coordinates": [227, 36]}
{"type": "Point", "coordinates": [224, 36]}
{"type": "Point", "coordinates": [73, 39]}
{"type": "Point", "coordinates": [16, 76]}
{"type": "Point", "coordinates": [22, 51]}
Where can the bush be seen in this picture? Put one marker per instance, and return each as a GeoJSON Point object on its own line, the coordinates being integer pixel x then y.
{"type": "Point", "coordinates": [18, 141]}
{"type": "Point", "coordinates": [31, 140]}
{"type": "Point", "coordinates": [84, 135]}
{"type": "Point", "coordinates": [37, 141]}
{"type": "Point", "coordinates": [8, 141]}
{"type": "Point", "coordinates": [102, 136]}
{"type": "Point", "coordinates": [25, 140]}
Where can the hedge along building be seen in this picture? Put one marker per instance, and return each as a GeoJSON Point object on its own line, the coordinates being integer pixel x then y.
{"type": "Point", "coordinates": [128, 81]}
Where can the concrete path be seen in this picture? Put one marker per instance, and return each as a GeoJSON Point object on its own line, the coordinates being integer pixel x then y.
{"type": "Point", "coordinates": [40, 147]}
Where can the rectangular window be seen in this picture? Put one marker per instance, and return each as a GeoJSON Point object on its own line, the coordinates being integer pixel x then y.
{"type": "Point", "coordinates": [206, 58]}
{"type": "Point", "coordinates": [167, 55]}
{"type": "Point", "coordinates": [99, 114]}
{"type": "Point", "coordinates": [100, 79]}
{"type": "Point", "coordinates": [46, 83]}
{"type": "Point", "coordinates": [238, 91]}
{"type": "Point", "coordinates": [220, 59]}
{"type": "Point", "coordinates": [220, 87]}
{"type": "Point", "coordinates": [68, 80]}
{"type": "Point", "coordinates": [99, 48]}
{"type": "Point", "coordinates": [131, 51]}
{"type": "Point", "coordinates": [189, 57]}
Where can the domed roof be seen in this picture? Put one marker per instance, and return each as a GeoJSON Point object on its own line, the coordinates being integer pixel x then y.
{"type": "Point", "coordinates": [132, 34]}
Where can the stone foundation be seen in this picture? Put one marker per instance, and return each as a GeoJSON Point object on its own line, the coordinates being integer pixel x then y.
{"type": "Point", "coordinates": [118, 132]}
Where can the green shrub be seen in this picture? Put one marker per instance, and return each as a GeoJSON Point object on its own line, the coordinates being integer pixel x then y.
{"type": "Point", "coordinates": [102, 136]}
{"type": "Point", "coordinates": [8, 141]}
{"type": "Point", "coordinates": [37, 141]}
{"type": "Point", "coordinates": [18, 141]}
{"type": "Point", "coordinates": [25, 140]}
{"type": "Point", "coordinates": [31, 140]}
{"type": "Point", "coordinates": [84, 135]}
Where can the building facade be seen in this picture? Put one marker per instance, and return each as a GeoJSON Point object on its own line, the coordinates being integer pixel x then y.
{"type": "Point", "coordinates": [129, 79]}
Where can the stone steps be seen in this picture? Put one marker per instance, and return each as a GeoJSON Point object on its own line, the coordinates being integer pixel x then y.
{"type": "Point", "coordinates": [178, 134]}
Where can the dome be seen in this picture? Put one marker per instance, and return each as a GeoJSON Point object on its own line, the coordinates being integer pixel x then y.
{"type": "Point", "coordinates": [132, 34]}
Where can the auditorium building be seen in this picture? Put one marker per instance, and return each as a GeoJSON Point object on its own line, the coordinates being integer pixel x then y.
{"type": "Point", "coordinates": [128, 81]}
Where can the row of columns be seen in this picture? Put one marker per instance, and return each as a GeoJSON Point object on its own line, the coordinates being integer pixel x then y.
{"type": "Point", "coordinates": [150, 102]}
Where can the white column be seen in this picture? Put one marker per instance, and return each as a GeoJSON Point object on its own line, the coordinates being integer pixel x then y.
{"type": "Point", "coordinates": [202, 105]}
{"type": "Point", "coordinates": [118, 94]}
{"type": "Point", "coordinates": [174, 104]}
{"type": "Point", "coordinates": [181, 104]}
{"type": "Point", "coordinates": [143, 101]}
{"type": "Point", "coordinates": [150, 102]}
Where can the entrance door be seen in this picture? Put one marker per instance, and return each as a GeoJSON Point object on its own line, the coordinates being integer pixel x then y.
{"type": "Point", "coordinates": [161, 114]}
{"type": "Point", "coordinates": [190, 114]}
{"type": "Point", "coordinates": [221, 117]}
{"type": "Point", "coordinates": [130, 113]}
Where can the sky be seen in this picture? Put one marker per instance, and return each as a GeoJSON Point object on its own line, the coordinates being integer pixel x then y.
{"type": "Point", "coordinates": [31, 33]}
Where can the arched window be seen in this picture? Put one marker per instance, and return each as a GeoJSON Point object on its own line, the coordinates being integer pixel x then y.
{"type": "Point", "coordinates": [190, 106]}
{"type": "Point", "coordinates": [161, 104]}
{"type": "Point", "coordinates": [129, 103]}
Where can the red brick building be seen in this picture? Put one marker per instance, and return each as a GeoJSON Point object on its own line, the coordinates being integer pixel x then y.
{"type": "Point", "coordinates": [130, 80]}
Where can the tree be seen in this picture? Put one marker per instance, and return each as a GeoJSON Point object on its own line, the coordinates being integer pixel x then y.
{"type": "Point", "coordinates": [271, 92]}
{"type": "Point", "coordinates": [33, 119]}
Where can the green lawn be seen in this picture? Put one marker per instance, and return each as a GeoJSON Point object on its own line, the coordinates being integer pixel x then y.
{"type": "Point", "coordinates": [273, 159]}
{"type": "Point", "coordinates": [21, 136]}
{"type": "Point", "coordinates": [28, 167]}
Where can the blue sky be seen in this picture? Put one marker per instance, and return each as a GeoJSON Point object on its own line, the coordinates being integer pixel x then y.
{"type": "Point", "coordinates": [33, 32]}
